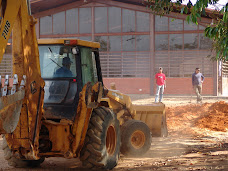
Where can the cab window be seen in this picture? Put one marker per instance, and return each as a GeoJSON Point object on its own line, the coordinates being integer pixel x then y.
{"type": "Point", "coordinates": [57, 61]}
{"type": "Point", "coordinates": [88, 63]}
{"type": "Point", "coordinates": [58, 67]}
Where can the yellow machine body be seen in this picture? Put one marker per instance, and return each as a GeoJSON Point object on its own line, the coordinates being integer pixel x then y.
{"type": "Point", "coordinates": [31, 135]}
{"type": "Point", "coordinates": [153, 115]}
{"type": "Point", "coordinates": [21, 114]}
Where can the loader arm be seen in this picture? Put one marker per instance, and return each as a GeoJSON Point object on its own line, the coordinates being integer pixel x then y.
{"type": "Point", "coordinates": [121, 104]}
{"type": "Point", "coordinates": [16, 18]}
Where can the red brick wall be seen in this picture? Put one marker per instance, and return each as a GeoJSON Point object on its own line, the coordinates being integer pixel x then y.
{"type": "Point", "coordinates": [130, 85]}
{"type": "Point", "coordinates": [175, 86]}
{"type": "Point", "coordinates": [184, 86]}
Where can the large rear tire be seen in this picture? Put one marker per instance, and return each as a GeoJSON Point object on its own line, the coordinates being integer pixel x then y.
{"type": "Point", "coordinates": [135, 138]}
{"type": "Point", "coordinates": [17, 162]}
{"type": "Point", "coordinates": [102, 143]}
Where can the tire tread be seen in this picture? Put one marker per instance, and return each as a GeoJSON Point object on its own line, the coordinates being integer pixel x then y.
{"type": "Point", "coordinates": [93, 154]}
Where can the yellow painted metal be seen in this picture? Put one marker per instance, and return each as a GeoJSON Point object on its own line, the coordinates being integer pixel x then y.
{"type": "Point", "coordinates": [25, 138]}
{"type": "Point", "coordinates": [50, 41]}
{"type": "Point", "coordinates": [81, 121]}
{"type": "Point", "coordinates": [88, 43]}
{"type": "Point", "coordinates": [67, 138]}
{"type": "Point", "coordinates": [28, 63]}
{"type": "Point", "coordinates": [138, 139]}
{"type": "Point", "coordinates": [153, 115]}
{"type": "Point", "coordinates": [111, 140]}
{"type": "Point", "coordinates": [59, 135]}
{"type": "Point", "coordinates": [62, 41]}
{"type": "Point", "coordinates": [11, 11]}
{"type": "Point", "coordinates": [87, 101]}
{"type": "Point", "coordinates": [118, 100]}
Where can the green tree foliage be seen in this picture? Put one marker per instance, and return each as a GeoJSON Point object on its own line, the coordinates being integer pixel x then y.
{"type": "Point", "coordinates": [217, 31]}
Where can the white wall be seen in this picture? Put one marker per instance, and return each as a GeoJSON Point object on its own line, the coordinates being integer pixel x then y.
{"type": "Point", "coordinates": [225, 86]}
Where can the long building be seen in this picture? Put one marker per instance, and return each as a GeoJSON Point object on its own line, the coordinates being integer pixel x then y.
{"type": "Point", "coordinates": [134, 42]}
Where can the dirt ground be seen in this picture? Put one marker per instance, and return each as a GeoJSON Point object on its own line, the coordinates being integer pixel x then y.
{"type": "Point", "coordinates": [198, 139]}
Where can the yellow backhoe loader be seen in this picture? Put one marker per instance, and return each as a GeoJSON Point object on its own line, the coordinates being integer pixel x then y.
{"type": "Point", "coordinates": [61, 91]}
{"type": "Point", "coordinates": [57, 105]}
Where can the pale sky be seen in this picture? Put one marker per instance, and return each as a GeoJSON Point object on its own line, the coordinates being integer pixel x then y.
{"type": "Point", "coordinates": [219, 5]}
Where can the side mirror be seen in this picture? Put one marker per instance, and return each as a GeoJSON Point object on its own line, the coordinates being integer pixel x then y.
{"type": "Point", "coordinates": [75, 50]}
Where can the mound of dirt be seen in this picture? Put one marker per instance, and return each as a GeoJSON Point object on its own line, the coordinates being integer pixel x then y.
{"type": "Point", "coordinates": [216, 119]}
{"type": "Point", "coordinates": [189, 120]}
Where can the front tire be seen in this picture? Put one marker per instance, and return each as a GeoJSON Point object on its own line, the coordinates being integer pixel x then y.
{"type": "Point", "coordinates": [102, 142]}
{"type": "Point", "coordinates": [135, 138]}
{"type": "Point", "coordinates": [17, 162]}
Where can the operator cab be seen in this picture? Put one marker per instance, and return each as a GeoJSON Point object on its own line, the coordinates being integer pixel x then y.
{"type": "Point", "coordinates": [66, 66]}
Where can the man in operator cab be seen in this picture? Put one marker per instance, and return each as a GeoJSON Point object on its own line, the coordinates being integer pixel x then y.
{"type": "Point", "coordinates": [64, 71]}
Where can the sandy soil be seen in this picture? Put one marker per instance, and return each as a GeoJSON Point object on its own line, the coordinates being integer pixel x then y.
{"type": "Point", "coordinates": [192, 144]}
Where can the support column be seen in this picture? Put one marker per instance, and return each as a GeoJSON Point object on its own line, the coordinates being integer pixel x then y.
{"type": "Point", "coordinates": [37, 26]}
{"type": "Point", "coordinates": [93, 23]}
{"type": "Point", "coordinates": [152, 52]}
{"type": "Point", "coordinates": [215, 78]}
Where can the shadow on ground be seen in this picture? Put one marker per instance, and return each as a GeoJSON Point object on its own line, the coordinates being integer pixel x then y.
{"type": "Point", "coordinates": [164, 154]}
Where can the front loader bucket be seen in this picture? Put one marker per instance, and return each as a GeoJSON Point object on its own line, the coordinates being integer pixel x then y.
{"type": "Point", "coordinates": [154, 116]}
{"type": "Point", "coordinates": [10, 107]}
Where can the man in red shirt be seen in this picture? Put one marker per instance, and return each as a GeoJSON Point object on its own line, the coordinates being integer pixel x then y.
{"type": "Point", "coordinates": [161, 85]}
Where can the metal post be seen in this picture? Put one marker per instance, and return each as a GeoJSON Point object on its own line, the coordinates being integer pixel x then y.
{"type": "Point", "coordinates": [215, 78]}
{"type": "Point", "coordinates": [29, 7]}
{"type": "Point", "coordinates": [152, 53]}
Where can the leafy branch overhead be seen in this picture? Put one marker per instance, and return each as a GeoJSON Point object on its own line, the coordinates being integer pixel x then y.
{"type": "Point", "coordinates": [217, 31]}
